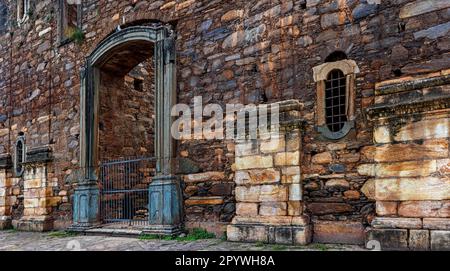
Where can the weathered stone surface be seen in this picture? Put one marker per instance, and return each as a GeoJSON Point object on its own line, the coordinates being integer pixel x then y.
{"type": "Point", "coordinates": [204, 201]}
{"type": "Point", "coordinates": [406, 189]}
{"type": "Point", "coordinates": [424, 208]}
{"type": "Point", "coordinates": [406, 169]}
{"type": "Point", "coordinates": [264, 176]}
{"type": "Point", "coordinates": [261, 193]}
{"type": "Point", "coordinates": [273, 145]}
{"type": "Point", "coordinates": [386, 208]}
{"type": "Point", "coordinates": [339, 232]}
{"type": "Point", "coordinates": [247, 233]}
{"type": "Point", "coordinates": [273, 208]}
{"type": "Point", "coordinates": [433, 32]}
{"type": "Point", "coordinates": [440, 240]}
{"type": "Point", "coordinates": [429, 149]}
{"type": "Point", "coordinates": [419, 240]}
{"type": "Point", "coordinates": [420, 7]}
{"type": "Point", "coordinates": [337, 184]}
{"type": "Point", "coordinates": [368, 189]}
{"type": "Point", "coordinates": [322, 158]}
{"type": "Point", "coordinates": [287, 159]}
{"type": "Point", "coordinates": [436, 223]}
{"type": "Point", "coordinates": [324, 208]}
{"type": "Point", "coordinates": [254, 162]}
{"type": "Point", "coordinates": [390, 239]}
{"type": "Point", "coordinates": [247, 209]}
{"type": "Point", "coordinates": [396, 222]}
{"type": "Point", "coordinates": [204, 177]}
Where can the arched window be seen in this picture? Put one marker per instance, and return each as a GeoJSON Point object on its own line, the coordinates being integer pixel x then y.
{"type": "Point", "coordinates": [336, 100]}
{"type": "Point", "coordinates": [335, 81]}
{"type": "Point", "coordinates": [23, 9]}
{"type": "Point", "coordinates": [19, 156]}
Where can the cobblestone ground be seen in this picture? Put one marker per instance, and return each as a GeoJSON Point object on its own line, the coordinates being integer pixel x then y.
{"type": "Point", "coordinates": [29, 241]}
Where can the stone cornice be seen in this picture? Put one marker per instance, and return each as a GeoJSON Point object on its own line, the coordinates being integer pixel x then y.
{"type": "Point", "coordinates": [39, 155]}
{"type": "Point", "coordinates": [409, 107]}
{"type": "Point", "coordinates": [5, 161]}
{"type": "Point", "coordinates": [410, 83]}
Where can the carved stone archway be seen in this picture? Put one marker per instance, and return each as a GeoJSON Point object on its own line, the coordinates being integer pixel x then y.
{"type": "Point", "coordinates": [164, 192]}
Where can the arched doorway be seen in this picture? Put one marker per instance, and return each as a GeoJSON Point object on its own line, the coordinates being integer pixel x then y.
{"type": "Point", "coordinates": [116, 57]}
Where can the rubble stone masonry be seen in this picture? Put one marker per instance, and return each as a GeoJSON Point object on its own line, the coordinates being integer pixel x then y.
{"type": "Point", "coordinates": [387, 179]}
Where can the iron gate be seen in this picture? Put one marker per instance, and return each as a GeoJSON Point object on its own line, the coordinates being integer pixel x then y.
{"type": "Point", "coordinates": [124, 190]}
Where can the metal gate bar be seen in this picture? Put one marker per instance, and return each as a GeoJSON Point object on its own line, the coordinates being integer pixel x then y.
{"type": "Point", "coordinates": [124, 190]}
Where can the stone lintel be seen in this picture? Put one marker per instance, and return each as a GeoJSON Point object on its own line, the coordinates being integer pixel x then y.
{"type": "Point", "coordinates": [411, 83]}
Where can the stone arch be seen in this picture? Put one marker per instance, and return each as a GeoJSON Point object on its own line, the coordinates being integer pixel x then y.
{"type": "Point", "coordinates": [162, 39]}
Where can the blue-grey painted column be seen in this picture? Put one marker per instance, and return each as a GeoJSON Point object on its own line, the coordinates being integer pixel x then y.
{"type": "Point", "coordinates": [165, 197]}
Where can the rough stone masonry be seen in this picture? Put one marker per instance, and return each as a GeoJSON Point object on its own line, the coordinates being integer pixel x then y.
{"type": "Point", "coordinates": [369, 163]}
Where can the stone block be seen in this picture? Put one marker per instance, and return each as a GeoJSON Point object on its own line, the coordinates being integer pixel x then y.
{"type": "Point", "coordinates": [295, 208]}
{"type": "Point", "coordinates": [302, 235]}
{"type": "Point", "coordinates": [254, 162]}
{"type": "Point", "coordinates": [257, 176]}
{"type": "Point", "coordinates": [204, 177]}
{"type": "Point", "coordinates": [406, 169]}
{"type": "Point", "coordinates": [273, 208]}
{"type": "Point", "coordinates": [295, 192]}
{"type": "Point", "coordinates": [381, 134]}
{"type": "Point", "coordinates": [396, 223]}
{"type": "Point", "coordinates": [337, 184]}
{"type": "Point", "coordinates": [247, 233]}
{"type": "Point", "coordinates": [273, 193]}
{"type": "Point", "coordinates": [389, 239]}
{"type": "Point", "coordinates": [338, 232]}
{"type": "Point", "coordinates": [324, 208]}
{"type": "Point", "coordinates": [247, 148]}
{"type": "Point", "coordinates": [419, 240]}
{"type": "Point", "coordinates": [429, 149]}
{"type": "Point", "coordinates": [322, 158]}
{"type": "Point", "coordinates": [424, 129]}
{"type": "Point", "coordinates": [204, 201]}
{"type": "Point", "coordinates": [424, 208]}
{"type": "Point", "coordinates": [436, 223]}
{"type": "Point", "coordinates": [386, 208]}
{"type": "Point", "coordinates": [247, 209]}
{"type": "Point", "coordinates": [368, 189]}
{"type": "Point", "coordinates": [407, 189]}
{"type": "Point", "coordinates": [276, 144]}
{"type": "Point", "coordinates": [287, 159]}
{"type": "Point", "coordinates": [419, 7]}
{"type": "Point", "coordinates": [440, 240]}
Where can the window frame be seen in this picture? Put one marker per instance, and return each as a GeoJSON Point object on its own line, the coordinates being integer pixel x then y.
{"type": "Point", "coordinates": [23, 5]}
{"type": "Point", "coordinates": [62, 20]}
{"type": "Point", "coordinates": [349, 68]}
{"type": "Point", "coordinates": [17, 172]}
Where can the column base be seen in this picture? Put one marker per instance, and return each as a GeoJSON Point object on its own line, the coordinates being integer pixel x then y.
{"type": "Point", "coordinates": [163, 230]}
{"type": "Point", "coordinates": [165, 206]}
{"type": "Point", "coordinates": [5, 222]}
{"type": "Point", "coordinates": [283, 232]}
{"type": "Point", "coordinates": [35, 223]}
{"type": "Point", "coordinates": [86, 207]}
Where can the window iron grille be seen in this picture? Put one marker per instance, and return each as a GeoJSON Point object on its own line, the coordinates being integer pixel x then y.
{"type": "Point", "coordinates": [336, 100]}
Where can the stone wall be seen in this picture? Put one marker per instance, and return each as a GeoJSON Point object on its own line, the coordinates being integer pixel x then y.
{"type": "Point", "coordinates": [242, 51]}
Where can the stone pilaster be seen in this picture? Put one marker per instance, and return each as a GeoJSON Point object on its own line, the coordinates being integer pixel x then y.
{"type": "Point", "coordinates": [410, 163]}
{"type": "Point", "coordinates": [5, 192]}
{"type": "Point", "coordinates": [268, 185]}
{"type": "Point", "coordinates": [39, 198]}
